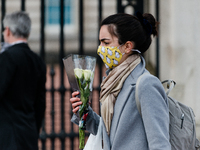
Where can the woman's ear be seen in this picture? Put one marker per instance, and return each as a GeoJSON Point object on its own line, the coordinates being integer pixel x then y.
{"type": "Point", "coordinates": [129, 46]}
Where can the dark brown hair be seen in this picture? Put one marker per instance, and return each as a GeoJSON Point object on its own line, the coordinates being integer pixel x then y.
{"type": "Point", "coordinates": [128, 28]}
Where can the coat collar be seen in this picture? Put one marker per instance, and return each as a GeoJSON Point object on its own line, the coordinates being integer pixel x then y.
{"type": "Point", "coordinates": [139, 70]}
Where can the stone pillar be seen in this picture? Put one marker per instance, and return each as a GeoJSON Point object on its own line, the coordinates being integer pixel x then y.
{"type": "Point", "coordinates": [180, 50]}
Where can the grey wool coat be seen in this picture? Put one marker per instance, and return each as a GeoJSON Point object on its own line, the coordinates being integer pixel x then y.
{"type": "Point", "coordinates": [130, 131]}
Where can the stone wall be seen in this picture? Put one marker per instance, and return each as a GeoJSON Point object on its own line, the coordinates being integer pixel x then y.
{"type": "Point", "coordinates": [180, 50]}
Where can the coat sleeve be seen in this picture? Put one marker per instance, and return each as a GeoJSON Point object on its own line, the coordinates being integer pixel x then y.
{"type": "Point", "coordinates": [155, 113]}
{"type": "Point", "coordinates": [40, 103]}
{"type": "Point", "coordinates": [92, 121]}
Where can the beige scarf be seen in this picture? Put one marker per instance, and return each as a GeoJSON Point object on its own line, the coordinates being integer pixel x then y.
{"type": "Point", "coordinates": [111, 86]}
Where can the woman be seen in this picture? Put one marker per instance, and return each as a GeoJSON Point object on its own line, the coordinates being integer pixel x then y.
{"type": "Point", "coordinates": [123, 37]}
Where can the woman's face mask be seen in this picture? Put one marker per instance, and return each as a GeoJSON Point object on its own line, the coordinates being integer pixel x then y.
{"type": "Point", "coordinates": [111, 56]}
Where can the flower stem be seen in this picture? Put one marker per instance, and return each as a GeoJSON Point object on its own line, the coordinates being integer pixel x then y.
{"type": "Point", "coordinates": [81, 139]}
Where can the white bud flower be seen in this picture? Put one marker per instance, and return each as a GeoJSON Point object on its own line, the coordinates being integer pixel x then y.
{"type": "Point", "coordinates": [78, 73]}
{"type": "Point", "coordinates": [87, 74]}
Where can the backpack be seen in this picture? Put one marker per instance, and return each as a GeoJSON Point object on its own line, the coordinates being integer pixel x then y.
{"type": "Point", "coordinates": [182, 130]}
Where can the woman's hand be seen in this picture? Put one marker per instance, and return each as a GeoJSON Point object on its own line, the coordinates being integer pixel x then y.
{"type": "Point", "coordinates": [76, 102]}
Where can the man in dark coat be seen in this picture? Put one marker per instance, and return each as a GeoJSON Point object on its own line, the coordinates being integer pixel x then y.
{"type": "Point", "coordinates": [22, 87]}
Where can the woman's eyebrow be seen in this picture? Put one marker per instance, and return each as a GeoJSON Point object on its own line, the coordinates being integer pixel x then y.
{"type": "Point", "coordinates": [102, 40]}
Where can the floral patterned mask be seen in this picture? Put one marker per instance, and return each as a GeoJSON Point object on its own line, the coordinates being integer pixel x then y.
{"type": "Point", "coordinates": [111, 56]}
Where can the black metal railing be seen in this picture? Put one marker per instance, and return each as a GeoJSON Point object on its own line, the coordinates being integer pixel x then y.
{"type": "Point", "coordinates": [3, 11]}
{"type": "Point", "coordinates": [72, 135]}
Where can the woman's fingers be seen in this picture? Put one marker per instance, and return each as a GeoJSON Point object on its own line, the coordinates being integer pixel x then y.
{"type": "Point", "coordinates": [74, 94]}
{"type": "Point", "coordinates": [76, 102]}
{"type": "Point", "coordinates": [74, 99]}
{"type": "Point", "coordinates": [75, 110]}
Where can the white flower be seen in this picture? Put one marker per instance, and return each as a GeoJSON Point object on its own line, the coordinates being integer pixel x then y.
{"type": "Point", "coordinates": [115, 62]}
{"type": "Point", "coordinates": [103, 49]}
{"type": "Point", "coordinates": [102, 57]}
{"type": "Point", "coordinates": [110, 52]}
{"type": "Point", "coordinates": [78, 73]}
{"type": "Point", "coordinates": [117, 54]}
{"type": "Point", "coordinates": [87, 74]}
{"type": "Point", "coordinates": [108, 60]}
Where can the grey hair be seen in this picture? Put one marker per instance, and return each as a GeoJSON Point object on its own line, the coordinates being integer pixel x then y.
{"type": "Point", "coordinates": [19, 24]}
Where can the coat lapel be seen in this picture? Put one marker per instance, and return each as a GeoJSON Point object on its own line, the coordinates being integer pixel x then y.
{"type": "Point", "coordinates": [118, 109]}
{"type": "Point", "coordinates": [123, 97]}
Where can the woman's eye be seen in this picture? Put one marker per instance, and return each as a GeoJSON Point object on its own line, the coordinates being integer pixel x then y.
{"type": "Point", "coordinates": [104, 43]}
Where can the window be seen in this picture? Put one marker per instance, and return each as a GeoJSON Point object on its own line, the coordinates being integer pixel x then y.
{"type": "Point", "coordinates": [53, 12]}
{"type": "Point", "coordinates": [52, 21]}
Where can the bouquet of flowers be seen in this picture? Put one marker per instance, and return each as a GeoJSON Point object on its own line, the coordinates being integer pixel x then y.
{"type": "Point", "coordinates": [83, 69]}
{"type": "Point", "coordinates": [83, 78]}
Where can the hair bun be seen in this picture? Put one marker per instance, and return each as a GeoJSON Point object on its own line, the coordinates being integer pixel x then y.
{"type": "Point", "coordinates": [150, 18]}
